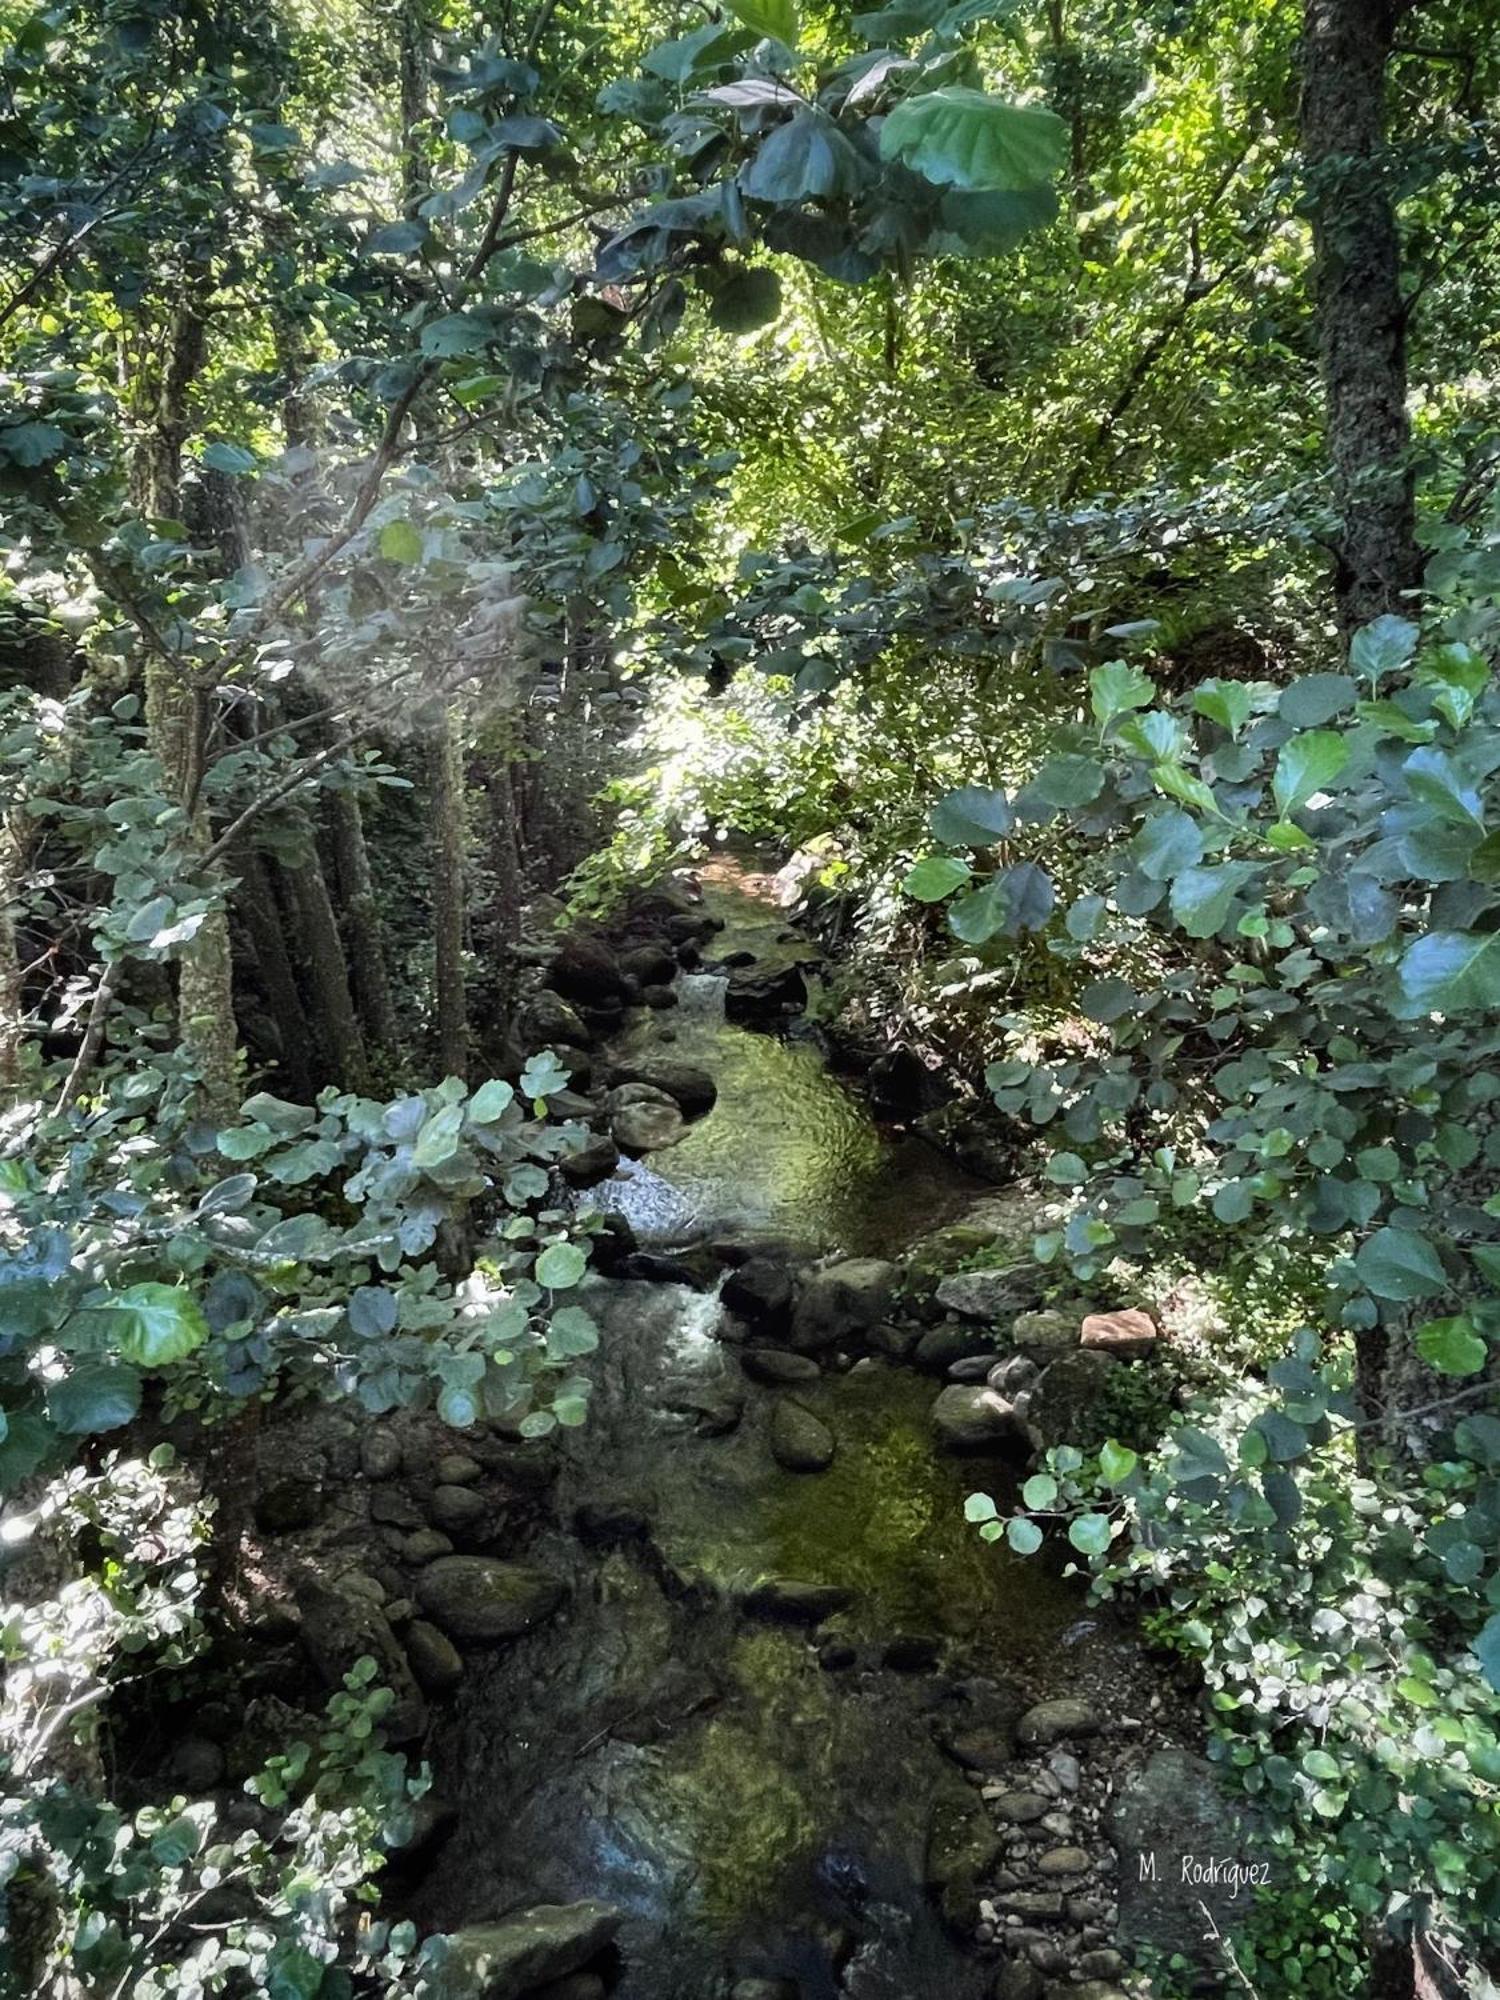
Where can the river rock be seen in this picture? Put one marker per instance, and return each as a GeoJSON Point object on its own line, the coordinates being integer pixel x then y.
{"type": "Point", "coordinates": [764, 1989]}
{"type": "Point", "coordinates": [584, 969]}
{"type": "Point", "coordinates": [963, 1851]}
{"type": "Point", "coordinates": [546, 1021]}
{"type": "Point", "coordinates": [1089, 1989]}
{"type": "Point", "coordinates": [800, 1441]}
{"type": "Point", "coordinates": [479, 1598]}
{"type": "Point", "coordinates": [1046, 1332]}
{"type": "Point", "coordinates": [435, 1660]}
{"type": "Point", "coordinates": [1019, 1808]}
{"type": "Point", "coordinates": [651, 964]}
{"type": "Point", "coordinates": [759, 991]}
{"type": "Point", "coordinates": [456, 1468]}
{"type": "Point", "coordinates": [911, 1653]}
{"type": "Point", "coordinates": [506, 1960]}
{"type": "Point", "coordinates": [340, 1625]}
{"type": "Point", "coordinates": [778, 1365]}
{"type": "Point", "coordinates": [759, 1292]}
{"type": "Point", "coordinates": [287, 1505]}
{"type": "Point", "coordinates": [456, 1510]}
{"type": "Point", "coordinates": [942, 1346]}
{"type": "Point", "coordinates": [1065, 1720]}
{"type": "Point", "coordinates": [692, 1089]}
{"type": "Point", "coordinates": [787, 1602]}
{"type": "Point", "coordinates": [1173, 1811]}
{"type": "Point", "coordinates": [842, 1302]}
{"type": "Point", "coordinates": [595, 1160]}
{"type": "Point", "coordinates": [379, 1454]}
{"type": "Point", "coordinates": [1064, 1397]}
{"type": "Point", "coordinates": [1064, 1861]}
{"type": "Point", "coordinates": [425, 1546]}
{"type": "Point", "coordinates": [992, 1296]}
{"type": "Point", "coordinates": [969, 1416]}
{"type": "Point", "coordinates": [1126, 1334]}
{"type": "Point", "coordinates": [1014, 1373]}
{"type": "Point", "coordinates": [642, 1119]}
{"type": "Point", "coordinates": [1018, 1979]}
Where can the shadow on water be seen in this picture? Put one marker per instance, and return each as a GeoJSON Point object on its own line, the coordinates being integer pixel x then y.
{"type": "Point", "coordinates": [752, 1810]}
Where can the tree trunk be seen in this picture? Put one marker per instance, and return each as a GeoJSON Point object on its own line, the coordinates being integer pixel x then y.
{"type": "Point", "coordinates": [362, 926]}
{"type": "Point", "coordinates": [450, 1001]}
{"type": "Point", "coordinates": [334, 1021]}
{"type": "Point", "coordinates": [176, 726]}
{"type": "Point", "coordinates": [1361, 314]}
{"type": "Point", "coordinates": [273, 968]}
{"type": "Point", "coordinates": [12, 993]}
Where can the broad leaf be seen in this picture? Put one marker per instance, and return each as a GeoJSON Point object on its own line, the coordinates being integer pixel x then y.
{"type": "Point", "coordinates": [776, 18]}
{"type": "Point", "coordinates": [966, 139]}
{"type": "Point", "coordinates": [1452, 972]}
{"type": "Point", "coordinates": [156, 1324]}
{"type": "Point", "coordinates": [1399, 1264]}
{"type": "Point", "coordinates": [1308, 764]}
{"type": "Point", "coordinates": [973, 816]}
{"type": "Point", "coordinates": [938, 876]}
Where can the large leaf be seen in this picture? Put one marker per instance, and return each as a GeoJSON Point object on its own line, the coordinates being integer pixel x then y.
{"type": "Point", "coordinates": [1433, 777]}
{"type": "Point", "coordinates": [96, 1397]}
{"type": "Point", "coordinates": [1452, 1346]}
{"type": "Point", "coordinates": [973, 816]}
{"type": "Point", "coordinates": [1201, 897]}
{"type": "Point", "coordinates": [1452, 972]}
{"type": "Point", "coordinates": [938, 876]}
{"type": "Point", "coordinates": [1399, 1264]}
{"type": "Point", "coordinates": [807, 157]}
{"type": "Point", "coordinates": [776, 18]}
{"type": "Point", "coordinates": [1308, 764]}
{"type": "Point", "coordinates": [966, 139]}
{"type": "Point", "coordinates": [156, 1324]}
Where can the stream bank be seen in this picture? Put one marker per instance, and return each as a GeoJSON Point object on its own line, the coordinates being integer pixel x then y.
{"type": "Point", "coordinates": [723, 1697]}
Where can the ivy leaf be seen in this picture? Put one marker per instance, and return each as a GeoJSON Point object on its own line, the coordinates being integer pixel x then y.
{"type": "Point", "coordinates": [1452, 1346]}
{"type": "Point", "coordinates": [774, 18]}
{"type": "Point", "coordinates": [966, 139]}
{"type": "Point", "coordinates": [1040, 1491]}
{"type": "Point", "coordinates": [1308, 764]}
{"type": "Point", "coordinates": [1399, 1264]}
{"type": "Point", "coordinates": [1116, 1462]}
{"type": "Point", "coordinates": [936, 877]}
{"type": "Point", "coordinates": [156, 1324]}
{"type": "Point", "coordinates": [973, 816]}
{"type": "Point", "coordinates": [491, 1101]}
{"type": "Point", "coordinates": [979, 1507]}
{"type": "Point", "coordinates": [571, 1332]}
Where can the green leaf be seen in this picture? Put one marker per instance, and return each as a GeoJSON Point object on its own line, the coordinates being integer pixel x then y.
{"type": "Point", "coordinates": [1452, 972]}
{"type": "Point", "coordinates": [1116, 687]}
{"type": "Point", "coordinates": [744, 298]}
{"type": "Point", "coordinates": [1309, 763]}
{"type": "Point", "coordinates": [455, 333]}
{"type": "Point", "coordinates": [973, 816]}
{"type": "Point", "coordinates": [1399, 1264]}
{"type": "Point", "coordinates": [1089, 1534]}
{"type": "Point", "coordinates": [807, 158]}
{"type": "Point", "coordinates": [978, 917]}
{"type": "Point", "coordinates": [1487, 1651]}
{"type": "Point", "coordinates": [936, 877]}
{"type": "Point", "coordinates": [560, 1266]}
{"type": "Point", "coordinates": [1197, 1456]}
{"type": "Point", "coordinates": [1024, 1536]}
{"type": "Point", "coordinates": [1452, 1346]}
{"type": "Point", "coordinates": [979, 1507]}
{"type": "Point", "coordinates": [1168, 843]}
{"type": "Point", "coordinates": [1039, 1492]}
{"type": "Point", "coordinates": [1226, 702]}
{"type": "Point", "coordinates": [1067, 1170]}
{"type": "Point", "coordinates": [438, 1140]}
{"type": "Point", "coordinates": [571, 1332]}
{"type": "Point", "coordinates": [234, 459]}
{"type": "Point", "coordinates": [776, 18]}
{"type": "Point", "coordinates": [963, 138]}
{"type": "Point", "coordinates": [1068, 781]}
{"type": "Point", "coordinates": [1315, 698]}
{"type": "Point", "coordinates": [1116, 1462]}
{"type": "Point", "coordinates": [1319, 1764]}
{"type": "Point", "coordinates": [1383, 646]}
{"type": "Point", "coordinates": [31, 444]}
{"type": "Point", "coordinates": [156, 1324]}
{"type": "Point", "coordinates": [1201, 897]}
{"type": "Point", "coordinates": [491, 1101]}
{"type": "Point", "coordinates": [1432, 777]}
{"type": "Point", "coordinates": [97, 1397]}
{"type": "Point", "coordinates": [401, 542]}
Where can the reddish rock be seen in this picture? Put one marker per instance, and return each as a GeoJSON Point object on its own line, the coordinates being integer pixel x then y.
{"type": "Point", "coordinates": [1126, 1334]}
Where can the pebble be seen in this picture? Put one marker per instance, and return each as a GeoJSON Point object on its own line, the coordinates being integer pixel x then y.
{"type": "Point", "coordinates": [456, 1468]}
{"type": "Point", "coordinates": [1066, 1769]}
{"type": "Point", "coordinates": [379, 1455]}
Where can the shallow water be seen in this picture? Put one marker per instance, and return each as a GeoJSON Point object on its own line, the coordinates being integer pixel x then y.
{"type": "Point", "coordinates": [751, 1811]}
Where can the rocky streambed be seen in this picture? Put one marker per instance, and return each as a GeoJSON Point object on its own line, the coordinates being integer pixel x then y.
{"type": "Point", "coordinates": [723, 1698]}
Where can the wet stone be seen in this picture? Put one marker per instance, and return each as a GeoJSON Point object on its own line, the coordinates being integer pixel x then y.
{"type": "Point", "coordinates": [435, 1660]}
{"type": "Point", "coordinates": [1065, 1719]}
{"type": "Point", "coordinates": [1019, 1808]}
{"type": "Point", "coordinates": [800, 1442]}
{"type": "Point", "coordinates": [455, 1510]}
{"type": "Point", "coordinates": [775, 1365]}
{"type": "Point", "coordinates": [379, 1455]}
{"type": "Point", "coordinates": [425, 1546]}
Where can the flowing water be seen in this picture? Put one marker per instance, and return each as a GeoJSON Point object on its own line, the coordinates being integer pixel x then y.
{"type": "Point", "coordinates": [750, 1809]}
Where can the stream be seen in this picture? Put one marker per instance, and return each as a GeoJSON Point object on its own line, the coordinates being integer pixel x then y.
{"type": "Point", "coordinates": [754, 1797]}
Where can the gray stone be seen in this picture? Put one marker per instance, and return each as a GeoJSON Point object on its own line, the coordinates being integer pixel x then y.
{"type": "Point", "coordinates": [787, 1601]}
{"type": "Point", "coordinates": [288, 1505]}
{"type": "Point", "coordinates": [1019, 1808]}
{"type": "Point", "coordinates": [1173, 1809]}
{"type": "Point", "coordinates": [968, 1416]}
{"type": "Point", "coordinates": [1018, 1979]}
{"type": "Point", "coordinates": [775, 1365]}
{"type": "Point", "coordinates": [585, 970]}
{"type": "Point", "coordinates": [1043, 1904]}
{"type": "Point", "coordinates": [196, 1764]}
{"type": "Point", "coordinates": [991, 1295]}
{"type": "Point", "coordinates": [692, 1089]}
{"type": "Point", "coordinates": [456, 1468]}
{"type": "Point", "coordinates": [1010, 1376]}
{"type": "Point", "coordinates": [1066, 1393]}
{"type": "Point", "coordinates": [963, 1850]}
{"type": "Point", "coordinates": [1101, 1965]}
{"type": "Point", "coordinates": [643, 1120]}
{"type": "Point", "coordinates": [435, 1660]}
{"type": "Point", "coordinates": [595, 1160]}
{"type": "Point", "coordinates": [764, 1989]}
{"type": "Point", "coordinates": [479, 1598]}
{"type": "Point", "coordinates": [340, 1626]}
{"type": "Point", "coordinates": [1088, 1989]}
{"type": "Point", "coordinates": [1064, 1720]}
{"type": "Point", "coordinates": [1064, 1861]}
{"type": "Point", "coordinates": [942, 1346]}
{"type": "Point", "coordinates": [425, 1546]}
{"type": "Point", "coordinates": [1047, 1331]}
{"type": "Point", "coordinates": [842, 1302]}
{"type": "Point", "coordinates": [455, 1510]}
{"type": "Point", "coordinates": [760, 1291]}
{"type": "Point", "coordinates": [547, 1021]}
{"type": "Point", "coordinates": [800, 1441]}
{"type": "Point", "coordinates": [379, 1455]}
{"type": "Point", "coordinates": [503, 1961]}
{"type": "Point", "coordinates": [577, 1986]}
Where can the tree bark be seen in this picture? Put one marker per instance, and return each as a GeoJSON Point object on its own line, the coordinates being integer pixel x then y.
{"type": "Point", "coordinates": [1361, 314]}
{"type": "Point", "coordinates": [334, 1021]}
{"type": "Point", "coordinates": [363, 929]}
{"type": "Point", "coordinates": [450, 999]}
{"type": "Point", "coordinates": [273, 967]}
{"type": "Point", "coordinates": [12, 993]}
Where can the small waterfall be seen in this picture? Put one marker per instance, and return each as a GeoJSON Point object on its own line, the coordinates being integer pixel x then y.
{"type": "Point", "coordinates": [700, 997]}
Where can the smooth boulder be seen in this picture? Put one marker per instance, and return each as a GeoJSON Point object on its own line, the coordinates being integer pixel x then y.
{"type": "Point", "coordinates": [970, 1416]}
{"type": "Point", "coordinates": [692, 1089]}
{"type": "Point", "coordinates": [800, 1441]}
{"type": "Point", "coordinates": [842, 1302]}
{"type": "Point", "coordinates": [481, 1599]}
{"type": "Point", "coordinates": [504, 1960]}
